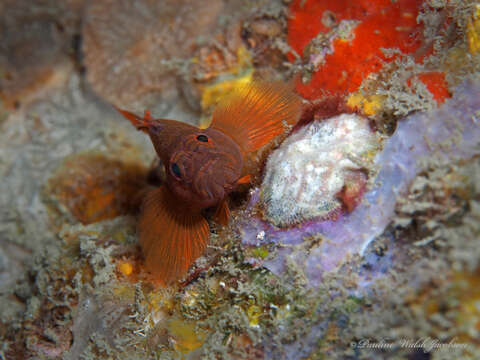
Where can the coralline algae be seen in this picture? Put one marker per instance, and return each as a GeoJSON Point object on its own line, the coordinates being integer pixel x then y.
{"type": "Point", "coordinates": [451, 131]}
{"type": "Point", "coordinates": [316, 167]}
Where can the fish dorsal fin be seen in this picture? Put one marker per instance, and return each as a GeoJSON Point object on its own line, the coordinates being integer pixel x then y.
{"type": "Point", "coordinates": [172, 238]}
{"type": "Point", "coordinates": [255, 114]}
{"type": "Point", "coordinates": [246, 179]}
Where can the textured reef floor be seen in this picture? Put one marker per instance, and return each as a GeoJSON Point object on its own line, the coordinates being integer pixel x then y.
{"type": "Point", "coordinates": [381, 260]}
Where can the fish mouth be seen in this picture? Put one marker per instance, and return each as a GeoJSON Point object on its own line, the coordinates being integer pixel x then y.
{"type": "Point", "coordinates": [214, 181]}
{"type": "Point", "coordinates": [209, 188]}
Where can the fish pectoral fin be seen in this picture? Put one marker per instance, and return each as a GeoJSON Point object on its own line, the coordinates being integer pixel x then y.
{"type": "Point", "coordinates": [171, 237]}
{"type": "Point", "coordinates": [222, 214]}
{"type": "Point", "coordinates": [255, 114]}
{"type": "Point", "coordinates": [247, 179]}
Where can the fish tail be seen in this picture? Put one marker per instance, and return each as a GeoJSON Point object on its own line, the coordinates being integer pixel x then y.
{"type": "Point", "coordinates": [171, 238]}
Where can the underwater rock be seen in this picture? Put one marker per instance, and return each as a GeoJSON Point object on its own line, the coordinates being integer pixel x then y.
{"type": "Point", "coordinates": [96, 322]}
{"type": "Point", "coordinates": [12, 264]}
{"type": "Point", "coordinates": [318, 170]}
{"type": "Point", "coordinates": [452, 132]}
{"type": "Point", "coordinates": [35, 48]}
{"type": "Point", "coordinates": [134, 49]}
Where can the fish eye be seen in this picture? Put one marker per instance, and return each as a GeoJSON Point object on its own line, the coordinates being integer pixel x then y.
{"type": "Point", "coordinates": [176, 170]}
{"type": "Point", "coordinates": [202, 138]}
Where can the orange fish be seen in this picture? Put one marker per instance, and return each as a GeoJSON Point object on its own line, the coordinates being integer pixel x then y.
{"type": "Point", "coordinates": [202, 167]}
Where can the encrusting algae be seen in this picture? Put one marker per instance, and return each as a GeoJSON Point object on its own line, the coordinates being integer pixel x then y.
{"type": "Point", "coordinates": [95, 187]}
{"type": "Point", "coordinates": [473, 31]}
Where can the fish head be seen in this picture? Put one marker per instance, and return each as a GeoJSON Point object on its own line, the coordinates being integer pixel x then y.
{"type": "Point", "coordinates": [203, 167]}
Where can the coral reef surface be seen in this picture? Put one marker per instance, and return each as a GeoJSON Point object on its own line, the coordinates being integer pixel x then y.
{"type": "Point", "coordinates": [451, 131]}
{"type": "Point", "coordinates": [393, 275]}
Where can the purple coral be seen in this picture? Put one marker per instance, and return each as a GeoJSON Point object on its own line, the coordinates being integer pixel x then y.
{"type": "Point", "coordinates": [452, 131]}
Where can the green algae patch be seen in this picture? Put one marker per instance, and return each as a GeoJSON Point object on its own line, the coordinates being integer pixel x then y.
{"type": "Point", "coordinates": [185, 335]}
{"type": "Point", "coordinates": [260, 252]}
